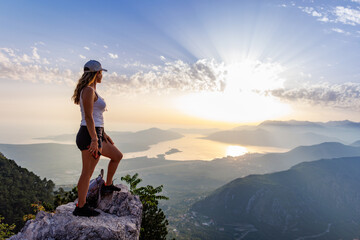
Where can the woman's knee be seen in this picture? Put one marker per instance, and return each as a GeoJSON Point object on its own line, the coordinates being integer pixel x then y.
{"type": "Point", "coordinates": [117, 158]}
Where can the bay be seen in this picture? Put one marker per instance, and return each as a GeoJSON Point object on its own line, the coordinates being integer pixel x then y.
{"type": "Point", "coordinates": [194, 147]}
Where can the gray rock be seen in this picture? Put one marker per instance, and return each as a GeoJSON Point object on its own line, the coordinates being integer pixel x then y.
{"type": "Point", "coordinates": [120, 218]}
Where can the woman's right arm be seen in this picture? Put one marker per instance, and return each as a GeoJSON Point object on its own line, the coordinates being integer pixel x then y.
{"type": "Point", "coordinates": [88, 96]}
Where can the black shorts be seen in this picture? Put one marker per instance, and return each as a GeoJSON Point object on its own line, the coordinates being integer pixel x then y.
{"type": "Point", "coordinates": [83, 138]}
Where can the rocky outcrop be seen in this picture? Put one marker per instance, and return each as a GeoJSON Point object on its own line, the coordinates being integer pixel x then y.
{"type": "Point", "coordinates": [120, 218]}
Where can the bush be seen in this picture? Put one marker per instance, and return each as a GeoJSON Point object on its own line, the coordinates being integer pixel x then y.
{"type": "Point", "coordinates": [154, 223]}
{"type": "Point", "coordinates": [6, 231]}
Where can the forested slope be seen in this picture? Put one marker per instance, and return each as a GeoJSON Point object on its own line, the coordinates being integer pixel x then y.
{"type": "Point", "coordinates": [19, 188]}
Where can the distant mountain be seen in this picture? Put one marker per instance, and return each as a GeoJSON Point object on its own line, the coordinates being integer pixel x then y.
{"type": "Point", "coordinates": [59, 138]}
{"type": "Point", "coordinates": [128, 141]}
{"type": "Point", "coordinates": [291, 123]}
{"type": "Point", "coordinates": [156, 134]}
{"type": "Point", "coordinates": [295, 123]}
{"type": "Point", "coordinates": [345, 124]}
{"type": "Point", "coordinates": [290, 134]}
{"type": "Point", "coordinates": [281, 161]}
{"type": "Point", "coordinates": [141, 140]}
{"type": "Point", "coordinates": [319, 200]}
{"type": "Point", "coordinates": [194, 130]}
{"type": "Point", "coordinates": [257, 137]}
{"type": "Point", "coordinates": [356, 144]}
{"type": "Point", "coordinates": [264, 137]}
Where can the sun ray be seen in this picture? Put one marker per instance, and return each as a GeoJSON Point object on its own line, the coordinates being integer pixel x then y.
{"type": "Point", "coordinates": [244, 98]}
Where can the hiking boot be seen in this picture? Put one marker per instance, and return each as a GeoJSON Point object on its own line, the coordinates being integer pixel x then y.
{"type": "Point", "coordinates": [85, 211]}
{"type": "Point", "coordinates": [109, 189]}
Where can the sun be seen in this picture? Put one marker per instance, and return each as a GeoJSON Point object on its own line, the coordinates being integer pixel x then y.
{"type": "Point", "coordinates": [244, 98]}
{"type": "Point", "coordinates": [234, 151]}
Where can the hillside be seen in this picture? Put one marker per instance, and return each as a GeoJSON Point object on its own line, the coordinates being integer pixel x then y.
{"type": "Point", "coordinates": [273, 162]}
{"type": "Point", "coordinates": [319, 198]}
{"type": "Point", "coordinates": [20, 188]}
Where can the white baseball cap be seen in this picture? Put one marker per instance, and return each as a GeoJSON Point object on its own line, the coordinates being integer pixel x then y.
{"type": "Point", "coordinates": [93, 66]}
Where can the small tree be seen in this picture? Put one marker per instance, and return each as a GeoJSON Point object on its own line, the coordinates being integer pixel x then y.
{"type": "Point", "coordinates": [37, 207]}
{"type": "Point", "coordinates": [63, 197]}
{"type": "Point", "coordinates": [6, 230]}
{"type": "Point", "coordinates": [154, 222]}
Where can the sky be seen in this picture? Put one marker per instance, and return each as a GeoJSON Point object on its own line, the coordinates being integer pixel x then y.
{"type": "Point", "coordinates": [178, 63]}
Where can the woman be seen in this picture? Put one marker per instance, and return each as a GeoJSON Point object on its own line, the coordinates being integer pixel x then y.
{"type": "Point", "coordinates": [91, 138]}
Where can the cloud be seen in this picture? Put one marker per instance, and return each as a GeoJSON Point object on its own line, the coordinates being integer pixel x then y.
{"type": "Point", "coordinates": [346, 95]}
{"type": "Point", "coordinates": [45, 61]}
{"type": "Point", "coordinates": [203, 75]}
{"type": "Point", "coordinates": [39, 43]}
{"type": "Point", "coordinates": [82, 57]}
{"type": "Point", "coordinates": [347, 15]}
{"type": "Point", "coordinates": [35, 54]}
{"type": "Point", "coordinates": [113, 55]}
{"type": "Point", "coordinates": [338, 30]}
{"type": "Point", "coordinates": [311, 11]}
{"type": "Point", "coordinates": [138, 65]}
{"type": "Point", "coordinates": [316, 14]}
{"type": "Point", "coordinates": [291, 4]}
{"type": "Point", "coordinates": [87, 48]}
{"type": "Point", "coordinates": [324, 19]}
{"type": "Point", "coordinates": [18, 66]}
{"type": "Point", "coordinates": [105, 46]}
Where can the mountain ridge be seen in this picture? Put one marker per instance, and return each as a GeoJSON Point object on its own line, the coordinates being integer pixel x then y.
{"type": "Point", "coordinates": [290, 204]}
{"type": "Point", "coordinates": [289, 134]}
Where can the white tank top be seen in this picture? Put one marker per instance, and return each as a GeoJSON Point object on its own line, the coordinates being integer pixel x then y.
{"type": "Point", "coordinates": [98, 109]}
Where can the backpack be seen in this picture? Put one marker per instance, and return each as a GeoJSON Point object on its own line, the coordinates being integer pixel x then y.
{"type": "Point", "coordinates": [93, 196]}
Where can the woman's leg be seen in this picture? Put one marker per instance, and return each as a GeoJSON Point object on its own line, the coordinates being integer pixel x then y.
{"type": "Point", "coordinates": [88, 166]}
{"type": "Point", "coordinates": [109, 150]}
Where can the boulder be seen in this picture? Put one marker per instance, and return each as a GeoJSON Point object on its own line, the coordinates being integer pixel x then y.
{"type": "Point", "coordinates": [120, 218]}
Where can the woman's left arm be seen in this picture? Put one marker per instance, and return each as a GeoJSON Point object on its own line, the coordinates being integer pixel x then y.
{"type": "Point", "coordinates": [108, 138]}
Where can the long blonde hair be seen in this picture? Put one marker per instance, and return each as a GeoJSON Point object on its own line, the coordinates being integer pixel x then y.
{"type": "Point", "coordinates": [86, 79]}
